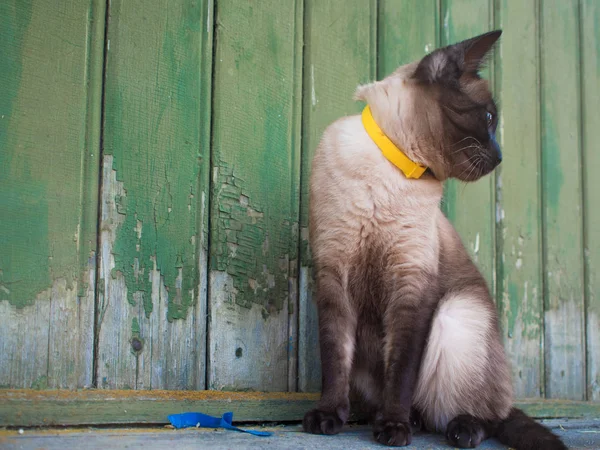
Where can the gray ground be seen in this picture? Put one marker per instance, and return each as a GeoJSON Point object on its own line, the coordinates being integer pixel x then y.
{"type": "Point", "coordinates": [578, 434]}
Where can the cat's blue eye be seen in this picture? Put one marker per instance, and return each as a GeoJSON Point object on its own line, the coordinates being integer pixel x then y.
{"type": "Point", "coordinates": [489, 118]}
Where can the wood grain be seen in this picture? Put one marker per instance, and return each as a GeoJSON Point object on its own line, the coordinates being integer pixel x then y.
{"type": "Point", "coordinates": [51, 78]}
{"type": "Point", "coordinates": [518, 197]}
{"type": "Point", "coordinates": [470, 207]}
{"type": "Point", "coordinates": [564, 344]}
{"type": "Point", "coordinates": [590, 98]}
{"type": "Point", "coordinates": [152, 303]}
{"type": "Point", "coordinates": [407, 31]}
{"type": "Point", "coordinates": [104, 407]}
{"type": "Point", "coordinates": [254, 202]}
{"type": "Point", "coordinates": [339, 54]}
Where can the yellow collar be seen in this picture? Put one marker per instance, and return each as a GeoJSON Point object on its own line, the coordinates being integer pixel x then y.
{"type": "Point", "coordinates": [393, 153]}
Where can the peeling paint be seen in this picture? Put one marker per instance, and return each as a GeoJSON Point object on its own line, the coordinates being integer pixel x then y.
{"type": "Point", "coordinates": [262, 362]}
{"type": "Point", "coordinates": [150, 236]}
{"type": "Point", "coordinates": [240, 231]}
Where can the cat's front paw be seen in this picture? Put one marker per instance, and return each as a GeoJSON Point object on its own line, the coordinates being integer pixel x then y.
{"type": "Point", "coordinates": [395, 434]}
{"type": "Point", "coordinates": [322, 422]}
{"type": "Point", "coordinates": [465, 432]}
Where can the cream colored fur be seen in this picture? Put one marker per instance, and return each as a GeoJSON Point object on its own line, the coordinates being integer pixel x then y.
{"type": "Point", "coordinates": [359, 199]}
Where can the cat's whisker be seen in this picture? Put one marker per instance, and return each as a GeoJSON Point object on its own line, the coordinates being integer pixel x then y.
{"type": "Point", "coordinates": [472, 170]}
{"type": "Point", "coordinates": [466, 148]}
{"type": "Point", "coordinates": [475, 166]}
{"type": "Point", "coordinates": [462, 140]}
{"type": "Point", "coordinates": [469, 167]}
{"type": "Point", "coordinates": [469, 159]}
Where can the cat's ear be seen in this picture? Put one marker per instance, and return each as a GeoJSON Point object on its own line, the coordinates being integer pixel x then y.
{"type": "Point", "coordinates": [448, 64]}
{"type": "Point", "coordinates": [371, 92]}
{"type": "Point", "coordinates": [362, 92]}
{"type": "Point", "coordinates": [476, 49]}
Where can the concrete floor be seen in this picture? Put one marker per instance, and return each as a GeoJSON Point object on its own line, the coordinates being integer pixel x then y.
{"type": "Point", "coordinates": [577, 434]}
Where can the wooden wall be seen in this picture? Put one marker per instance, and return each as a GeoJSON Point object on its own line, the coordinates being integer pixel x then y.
{"type": "Point", "coordinates": [154, 163]}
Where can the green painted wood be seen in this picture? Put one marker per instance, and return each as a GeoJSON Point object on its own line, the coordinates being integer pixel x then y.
{"type": "Point", "coordinates": [590, 93]}
{"type": "Point", "coordinates": [97, 407]}
{"type": "Point", "coordinates": [518, 197]}
{"type": "Point", "coordinates": [340, 38]}
{"type": "Point", "coordinates": [564, 344]}
{"type": "Point", "coordinates": [50, 78]}
{"type": "Point", "coordinates": [470, 206]}
{"type": "Point", "coordinates": [152, 302]}
{"type": "Point", "coordinates": [408, 30]}
{"type": "Point", "coordinates": [100, 407]}
{"type": "Point", "coordinates": [254, 202]}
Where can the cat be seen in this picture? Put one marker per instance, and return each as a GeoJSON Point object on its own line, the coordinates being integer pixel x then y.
{"type": "Point", "coordinates": [405, 318]}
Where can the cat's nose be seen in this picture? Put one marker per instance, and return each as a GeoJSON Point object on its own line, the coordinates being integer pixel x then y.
{"type": "Point", "coordinates": [495, 148]}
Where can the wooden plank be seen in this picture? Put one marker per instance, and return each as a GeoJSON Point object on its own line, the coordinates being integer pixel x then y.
{"type": "Point", "coordinates": [407, 31]}
{"type": "Point", "coordinates": [590, 94]}
{"type": "Point", "coordinates": [294, 255]}
{"type": "Point", "coordinates": [105, 407]}
{"type": "Point", "coordinates": [518, 197]}
{"type": "Point", "coordinates": [48, 178]}
{"type": "Point", "coordinates": [254, 212]}
{"type": "Point", "coordinates": [95, 407]}
{"type": "Point", "coordinates": [339, 37]}
{"type": "Point", "coordinates": [562, 215]}
{"type": "Point", "coordinates": [152, 302]}
{"type": "Point", "coordinates": [470, 206]}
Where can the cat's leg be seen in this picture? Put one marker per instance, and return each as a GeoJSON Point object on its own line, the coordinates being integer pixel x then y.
{"type": "Point", "coordinates": [337, 328]}
{"type": "Point", "coordinates": [416, 421]}
{"type": "Point", "coordinates": [466, 431]}
{"type": "Point", "coordinates": [406, 322]}
{"type": "Point", "coordinates": [464, 384]}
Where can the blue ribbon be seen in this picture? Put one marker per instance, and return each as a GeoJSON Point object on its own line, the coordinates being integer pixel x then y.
{"type": "Point", "coordinates": [194, 419]}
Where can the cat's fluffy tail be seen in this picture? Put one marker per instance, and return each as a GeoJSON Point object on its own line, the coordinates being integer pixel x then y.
{"type": "Point", "coordinates": [523, 433]}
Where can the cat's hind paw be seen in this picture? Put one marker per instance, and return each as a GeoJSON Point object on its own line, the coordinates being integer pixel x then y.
{"type": "Point", "coordinates": [465, 432]}
{"type": "Point", "coordinates": [322, 422]}
{"type": "Point", "coordinates": [393, 434]}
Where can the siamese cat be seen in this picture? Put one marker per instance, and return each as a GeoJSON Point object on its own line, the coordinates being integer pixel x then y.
{"type": "Point", "coordinates": [405, 318]}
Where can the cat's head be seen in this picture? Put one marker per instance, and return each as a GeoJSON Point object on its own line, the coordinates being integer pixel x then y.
{"type": "Point", "coordinates": [440, 111]}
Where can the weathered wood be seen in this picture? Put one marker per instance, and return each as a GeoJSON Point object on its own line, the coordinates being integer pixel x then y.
{"type": "Point", "coordinates": [152, 302]}
{"type": "Point", "coordinates": [340, 38]}
{"type": "Point", "coordinates": [590, 97]}
{"type": "Point", "coordinates": [254, 211]}
{"type": "Point", "coordinates": [96, 407]}
{"type": "Point", "coordinates": [407, 31]}
{"type": "Point", "coordinates": [51, 78]}
{"type": "Point", "coordinates": [518, 197]}
{"type": "Point", "coordinates": [564, 345]}
{"type": "Point", "coordinates": [470, 207]}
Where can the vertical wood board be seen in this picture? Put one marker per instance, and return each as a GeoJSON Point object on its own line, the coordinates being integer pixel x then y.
{"type": "Point", "coordinates": [562, 200]}
{"type": "Point", "coordinates": [49, 139]}
{"type": "Point", "coordinates": [255, 182]}
{"type": "Point", "coordinates": [152, 304]}
{"type": "Point", "coordinates": [470, 206]}
{"type": "Point", "coordinates": [407, 31]}
{"type": "Point", "coordinates": [518, 206]}
{"type": "Point", "coordinates": [590, 97]}
{"type": "Point", "coordinates": [339, 54]}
